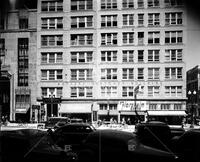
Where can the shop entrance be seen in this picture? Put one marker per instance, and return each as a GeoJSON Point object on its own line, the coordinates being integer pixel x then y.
{"type": "Point", "coordinates": [52, 110]}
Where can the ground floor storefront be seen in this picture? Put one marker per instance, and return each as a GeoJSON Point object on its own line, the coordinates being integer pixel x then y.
{"type": "Point", "coordinates": [129, 112]}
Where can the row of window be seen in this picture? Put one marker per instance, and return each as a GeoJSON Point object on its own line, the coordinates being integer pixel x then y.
{"type": "Point", "coordinates": [81, 5]}
{"type": "Point", "coordinates": [155, 106]}
{"type": "Point", "coordinates": [112, 74]}
{"type": "Point", "coordinates": [128, 56]}
{"type": "Point", "coordinates": [128, 38]}
{"type": "Point", "coordinates": [172, 18]}
{"type": "Point", "coordinates": [112, 91]}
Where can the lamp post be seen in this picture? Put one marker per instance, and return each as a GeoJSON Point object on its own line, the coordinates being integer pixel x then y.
{"type": "Point", "coordinates": [136, 91]}
{"type": "Point", "coordinates": [52, 96]}
{"type": "Point", "coordinates": [192, 94]}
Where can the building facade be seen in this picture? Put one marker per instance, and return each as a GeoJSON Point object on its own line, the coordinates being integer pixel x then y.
{"type": "Point", "coordinates": [18, 48]}
{"type": "Point", "coordinates": [91, 55]}
{"type": "Point", "coordinates": [193, 88]}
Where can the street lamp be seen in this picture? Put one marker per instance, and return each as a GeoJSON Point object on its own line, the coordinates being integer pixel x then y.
{"type": "Point", "coordinates": [52, 96]}
{"type": "Point", "coordinates": [192, 94]}
{"type": "Point", "coordinates": [136, 91]}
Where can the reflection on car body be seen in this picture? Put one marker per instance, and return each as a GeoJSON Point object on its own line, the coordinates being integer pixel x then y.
{"type": "Point", "coordinates": [72, 134]}
{"type": "Point", "coordinates": [115, 145]}
{"type": "Point", "coordinates": [28, 145]}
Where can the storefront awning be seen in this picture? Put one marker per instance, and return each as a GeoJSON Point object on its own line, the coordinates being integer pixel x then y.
{"type": "Point", "coordinates": [75, 108]}
{"type": "Point", "coordinates": [167, 113]}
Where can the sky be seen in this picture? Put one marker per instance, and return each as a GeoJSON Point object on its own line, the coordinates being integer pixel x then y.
{"type": "Point", "coordinates": [193, 35]}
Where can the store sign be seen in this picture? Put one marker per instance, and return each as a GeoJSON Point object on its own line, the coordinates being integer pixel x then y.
{"type": "Point", "coordinates": [51, 100]}
{"type": "Point", "coordinates": [130, 105]}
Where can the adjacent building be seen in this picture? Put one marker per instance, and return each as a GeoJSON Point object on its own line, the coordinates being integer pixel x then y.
{"type": "Point", "coordinates": [18, 50]}
{"type": "Point", "coordinates": [193, 88]}
{"type": "Point", "coordinates": [102, 59]}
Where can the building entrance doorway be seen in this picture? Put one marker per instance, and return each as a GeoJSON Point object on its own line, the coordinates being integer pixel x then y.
{"type": "Point", "coordinates": [52, 110]}
{"type": "Point", "coordinates": [4, 98]}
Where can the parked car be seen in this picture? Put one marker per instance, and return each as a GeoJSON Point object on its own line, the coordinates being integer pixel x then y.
{"type": "Point", "coordinates": [29, 145]}
{"type": "Point", "coordinates": [114, 145]}
{"type": "Point", "coordinates": [184, 144]}
{"type": "Point", "coordinates": [55, 122]}
{"type": "Point", "coordinates": [71, 135]}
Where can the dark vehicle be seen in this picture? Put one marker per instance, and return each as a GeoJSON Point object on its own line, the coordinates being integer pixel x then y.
{"type": "Point", "coordinates": [71, 135]}
{"type": "Point", "coordinates": [187, 145]}
{"type": "Point", "coordinates": [56, 122]}
{"type": "Point", "coordinates": [118, 146]}
{"type": "Point", "coordinates": [184, 144]}
{"type": "Point", "coordinates": [29, 145]}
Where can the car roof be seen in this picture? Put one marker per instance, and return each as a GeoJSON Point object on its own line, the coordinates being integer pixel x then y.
{"type": "Point", "coordinates": [112, 134]}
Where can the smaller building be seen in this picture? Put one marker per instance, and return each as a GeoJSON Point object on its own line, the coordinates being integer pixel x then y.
{"type": "Point", "coordinates": [193, 91]}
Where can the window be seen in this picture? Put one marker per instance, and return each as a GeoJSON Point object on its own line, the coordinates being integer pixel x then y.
{"type": "Point", "coordinates": [153, 55]}
{"type": "Point", "coordinates": [108, 74]}
{"type": "Point", "coordinates": [2, 25]}
{"type": "Point", "coordinates": [153, 73]}
{"type": "Point", "coordinates": [140, 3]}
{"type": "Point", "coordinates": [51, 58]}
{"type": "Point", "coordinates": [177, 106]}
{"type": "Point", "coordinates": [173, 3]}
{"type": "Point", "coordinates": [173, 37]}
{"type": "Point", "coordinates": [82, 22]}
{"type": "Point", "coordinates": [51, 75]}
{"type": "Point", "coordinates": [81, 74]}
{"type": "Point", "coordinates": [173, 55]}
{"type": "Point", "coordinates": [165, 106]}
{"type": "Point", "coordinates": [23, 23]}
{"type": "Point", "coordinates": [109, 39]}
{"type": "Point", "coordinates": [80, 5]}
{"type": "Point", "coordinates": [173, 73]}
{"type": "Point", "coordinates": [2, 47]}
{"type": "Point", "coordinates": [127, 91]}
{"type": "Point", "coordinates": [153, 106]}
{"type": "Point", "coordinates": [82, 57]}
{"type": "Point", "coordinates": [153, 91]}
{"type": "Point", "coordinates": [127, 4]}
{"type": "Point", "coordinates": [140, 38]}
{"type": "Point", "coordinates": [153, 37]}
{"type": "Point", "coordinates": [153, 3]}
{"type": "Point", "coordinates": [128, 74]}
{"type": "Point", "coordinates": [81, 39]}
{"type": "Point", "coordinates": [51, 40]}
{"type": "Point", "coordinates": [109, 91]}
{"type": "Point", "coordinates": [173, 91]}
{"type": "Point", "coordinates": [108, 4]}
{"type": "Point", "coordinates": [140, 55]}
{"type": "Point", "coordinates": [153, 19]}
{"type": "Point", "coordinates": [128, 38]}
{"type": "Point", "coordinates": [174, 18]}
{"type": "Point", "coordinates": [52, 23]}
{"type": "Point", "coordinates": [78, 92]}
{"type": "Point", "coordinates": [109, 21]}
{"type": "Point", "coordinates": [140, 19]}
{"type": "Point", "coordinates": [52, 6]}
{"type": "Point", "coordinates": [128, 56]}
{"type": "Point", "coordinates": [140, 73]}
{"type": "Point", "coordinates": [46, 91]}
{"type": "Point", "coordinates": [128, 19]}
{"type": "Point", "coordinates": [23, 60]}
{"type": "Point", "coordinates": [108, 56]}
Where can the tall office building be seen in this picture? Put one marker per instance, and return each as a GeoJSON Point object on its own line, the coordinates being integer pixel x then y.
{"type": "Point", "coordinates": [94, 59]}
{"type": "Point", "coordinates": [93, 54]}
